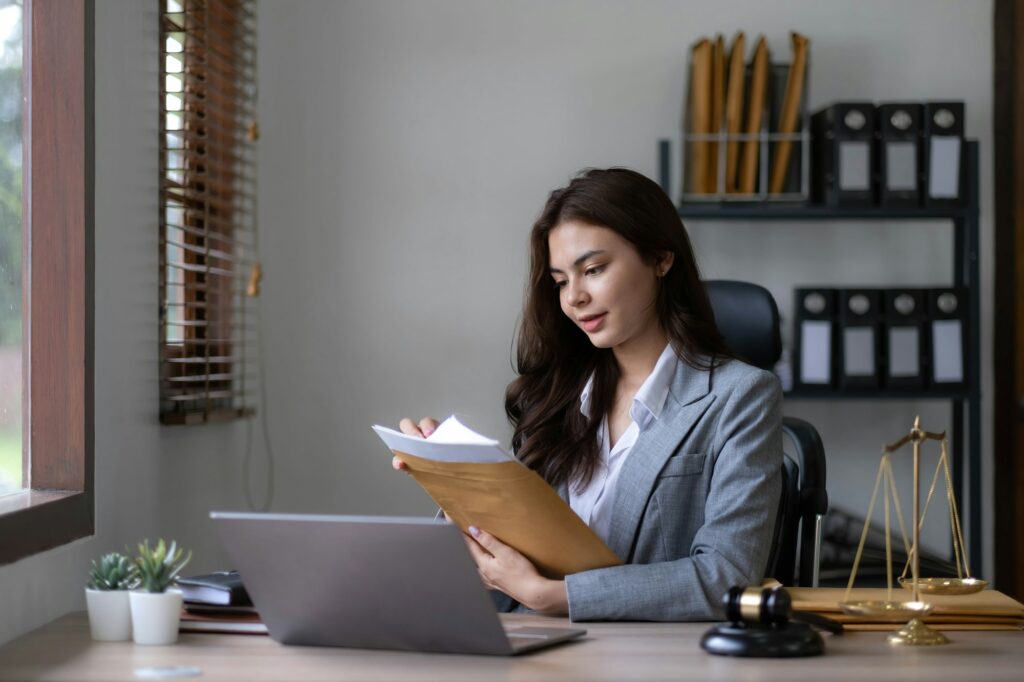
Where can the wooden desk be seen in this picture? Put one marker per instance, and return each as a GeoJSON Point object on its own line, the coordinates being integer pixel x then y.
{"type": "Point", "coordinates": [617, 652]}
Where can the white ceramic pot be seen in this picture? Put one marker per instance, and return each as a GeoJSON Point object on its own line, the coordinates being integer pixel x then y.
{"type": "Point", "coordinates": [155, 616]}
{"type": "Point", "coordinates": [110, 617]}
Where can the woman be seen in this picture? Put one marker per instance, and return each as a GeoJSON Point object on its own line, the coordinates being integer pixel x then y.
{"type": "Point", "coordinates": [629, 404]}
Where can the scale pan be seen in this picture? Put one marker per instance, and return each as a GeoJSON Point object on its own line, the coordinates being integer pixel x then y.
{"type": "Point", "coordinates": [895, 611]}
{"type": "Point", "coordinates": [946, 585]}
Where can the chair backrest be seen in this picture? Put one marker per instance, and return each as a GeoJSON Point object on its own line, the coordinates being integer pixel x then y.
{"type": "Point", "coordinates": [748, 318]}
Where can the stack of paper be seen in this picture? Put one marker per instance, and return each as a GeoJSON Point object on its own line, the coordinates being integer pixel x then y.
{"type": "Point", "coordinates": [986, 610]}
{"type": "Point", "coordinates": [477, 483]}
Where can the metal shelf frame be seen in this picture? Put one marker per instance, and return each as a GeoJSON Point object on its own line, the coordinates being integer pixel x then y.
{"type": "Point", "coordinates": [966, 405]}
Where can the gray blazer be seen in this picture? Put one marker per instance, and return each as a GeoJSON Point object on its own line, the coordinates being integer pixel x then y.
{"type": "Point", "coordinates": [694, 508]}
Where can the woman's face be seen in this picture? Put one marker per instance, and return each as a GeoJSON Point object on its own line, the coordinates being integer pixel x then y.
{"type": "Point", "coordinates": [604, 286]}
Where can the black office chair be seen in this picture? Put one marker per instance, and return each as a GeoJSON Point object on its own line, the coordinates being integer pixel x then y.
{"type": "Point", "coordinates": [748, 318]}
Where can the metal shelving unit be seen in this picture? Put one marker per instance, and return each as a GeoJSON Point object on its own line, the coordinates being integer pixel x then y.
{"type": "Point", "coordinates": [966, 405]}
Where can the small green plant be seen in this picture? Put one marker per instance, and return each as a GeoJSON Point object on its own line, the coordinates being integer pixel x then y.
{"type": "Point", "coordinates": [115, 571]}
{"type": "Point", "coordinates": [160, 565]}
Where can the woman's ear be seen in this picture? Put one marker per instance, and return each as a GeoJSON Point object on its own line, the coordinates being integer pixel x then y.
{"type": "Point", "coordinates": [664, 263]}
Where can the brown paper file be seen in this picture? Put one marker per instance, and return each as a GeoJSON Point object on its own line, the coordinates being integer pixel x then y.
{"type": "Point", "coordinates": [947, 627]}
{"type": "Point", "coordinates": [984, 603]}
{"type": "Point", "coordinates": [957, 619]}
{"type": "Point", "coordinates": [717, 110]}
{"type": "Point", "coordinates": [984, 610]}
{"type": "Point", "coordinates": [755, 109]}
{"type": "Point", "coordinates": [700, 117]}
{"type": "Point", "coordinates": [518, 507]}
{"type": "Point", "coordinates": [734, 108]}
{"type": "Point", "coordinates": [790, 110]}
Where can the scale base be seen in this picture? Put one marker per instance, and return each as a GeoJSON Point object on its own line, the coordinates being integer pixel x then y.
{"type": "Point", "coordinates": [916, 633]}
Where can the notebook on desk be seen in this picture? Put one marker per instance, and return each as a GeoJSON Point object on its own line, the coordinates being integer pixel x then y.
{"type": "Point", "coordinates": [370, 582]}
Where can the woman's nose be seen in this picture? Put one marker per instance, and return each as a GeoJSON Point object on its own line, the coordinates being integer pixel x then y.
{"type": "Point", "coordinates": [577, 294]}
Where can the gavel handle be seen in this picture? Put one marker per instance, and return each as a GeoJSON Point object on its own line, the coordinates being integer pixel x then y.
{"type": "Point", "coordinates": [818, 621]}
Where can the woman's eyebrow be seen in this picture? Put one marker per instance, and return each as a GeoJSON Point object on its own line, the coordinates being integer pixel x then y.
{"type": "Point", "coordinates": [581, 259]}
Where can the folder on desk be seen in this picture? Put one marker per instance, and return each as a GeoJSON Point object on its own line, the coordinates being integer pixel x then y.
{"type": "Point", "coordinates": [986, 610]}
{"type": "Point", "coordinates": [477, 483]}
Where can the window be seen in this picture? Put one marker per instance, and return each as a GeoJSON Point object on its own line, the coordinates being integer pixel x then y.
{"type": "Point", "coordinates": [57, 281]}
{"type": "Point", "coordinates": [11, 453]}
{"type": "Point", "coordinates": [208, 271]}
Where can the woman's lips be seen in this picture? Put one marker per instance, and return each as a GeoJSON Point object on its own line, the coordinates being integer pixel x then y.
{"type": "Point", "coordinates": [594, 323]}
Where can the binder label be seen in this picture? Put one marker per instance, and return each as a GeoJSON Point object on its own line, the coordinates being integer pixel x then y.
{"type": "Point", "coordinates": [947, 353]}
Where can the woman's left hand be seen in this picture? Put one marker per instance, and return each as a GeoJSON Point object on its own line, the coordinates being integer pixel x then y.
{"type": "Point", "coordinates": [503, 568]}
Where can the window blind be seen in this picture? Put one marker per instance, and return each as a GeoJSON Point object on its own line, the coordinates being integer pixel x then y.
{"type": "Point", "coordinates": [209, 273]}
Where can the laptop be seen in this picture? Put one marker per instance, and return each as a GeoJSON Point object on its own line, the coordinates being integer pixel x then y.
{"type": "Point", "coordinates": [371, 582]}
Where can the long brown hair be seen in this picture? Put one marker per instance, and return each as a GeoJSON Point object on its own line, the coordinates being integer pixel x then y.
{"type": "Point", "coordinates": [554, 358]}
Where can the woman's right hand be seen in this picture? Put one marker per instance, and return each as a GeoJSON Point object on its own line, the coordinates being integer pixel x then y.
{"type": "Point", "coordinates": [424, 428]}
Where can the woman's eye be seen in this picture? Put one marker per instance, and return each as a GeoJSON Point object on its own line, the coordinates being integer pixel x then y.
{"type": "Point", "coordinates": [559, 285]}
{"type": "Point", "coordinates": [596, 270]}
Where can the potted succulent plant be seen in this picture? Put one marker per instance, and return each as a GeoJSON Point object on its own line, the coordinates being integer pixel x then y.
{"type": "Point", "coordinates": [156, 611]}
{"type": "Point", "coordinates": [106, 596]}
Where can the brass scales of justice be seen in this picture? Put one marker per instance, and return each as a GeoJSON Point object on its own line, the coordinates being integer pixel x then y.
{"type": "Point", "coordinates": [915, 632]}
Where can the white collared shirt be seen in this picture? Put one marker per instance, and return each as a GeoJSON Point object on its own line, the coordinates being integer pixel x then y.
{"type": "Point", "coordinates": [593, 504]}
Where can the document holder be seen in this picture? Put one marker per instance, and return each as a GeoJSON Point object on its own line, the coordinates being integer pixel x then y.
{"type": "Point", "coordinates": [899, 154]}
{"type": "Point", "coordinates": [859, 321]}
{"type": "Point", "coordinates": [732, 149]}
{"type": "Point", "coordinates": [815, 310]}
{"type": "Point", "coordinates": [947, 313]}
{"type": "Point", "coordinates": [843, 158]}
{"type": "Point", "coordinates": [944, 158]}
{"type": "Point", "coordinates": [905, 338]}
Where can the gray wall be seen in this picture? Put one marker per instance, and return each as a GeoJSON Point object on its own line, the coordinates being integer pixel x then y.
{"type": "Point", "coordinates": [407, 147]}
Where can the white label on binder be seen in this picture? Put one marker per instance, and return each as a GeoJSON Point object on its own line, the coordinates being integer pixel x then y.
{"type": "Point", "coordinates": [947, 351]}
{"type": "Point", "coordinates": [900, 166]}
{"type": "Point", "coordinates": [944, 168]}
{"type": "Point", "coordinates": [815, 352]}
{"type": "Point", "coordinates": [854, 166]}
{"type": "Point", "coordinates": [859, 352]}
{"type": "Point", "coordinates": [904, 352]}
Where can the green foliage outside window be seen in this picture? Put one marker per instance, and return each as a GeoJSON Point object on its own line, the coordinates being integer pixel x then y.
{"type": "Point", "coordinates": [10, 244]}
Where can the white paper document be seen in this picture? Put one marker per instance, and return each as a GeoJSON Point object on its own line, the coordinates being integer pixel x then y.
{"type": "Point", "coordinates": [452, 441]}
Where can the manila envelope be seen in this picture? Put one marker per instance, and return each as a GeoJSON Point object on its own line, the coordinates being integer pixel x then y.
{"type": "Point", "coordinates": [513, 503]}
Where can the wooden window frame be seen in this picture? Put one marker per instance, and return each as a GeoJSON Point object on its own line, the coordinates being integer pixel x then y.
{"type": "Point", "coordinates": [1008, 178]}
{"type": "Point", "coordinates": [58, 505]}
